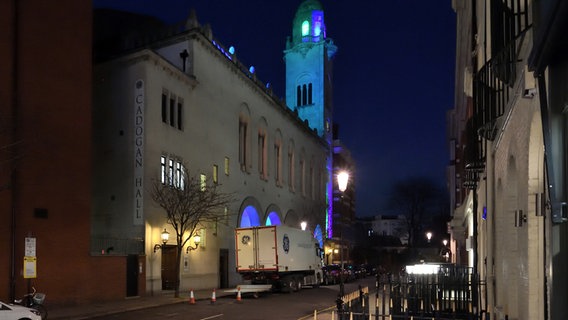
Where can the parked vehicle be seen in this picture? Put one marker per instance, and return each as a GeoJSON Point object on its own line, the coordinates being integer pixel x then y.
{"type": "Point", "coordinates": [331, 274]}
{"type": "Point", "coordinates": [288, 258]}
{"type": "Point", "coordinates": [17, 312]}
{"type": "Point", "coordinates": [33, 301]}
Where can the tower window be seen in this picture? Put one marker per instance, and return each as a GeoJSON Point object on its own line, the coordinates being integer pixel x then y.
{"type": "Point", "coordinates": [304, 95]}
{"type": "Point", "coordinates": [305, 28]}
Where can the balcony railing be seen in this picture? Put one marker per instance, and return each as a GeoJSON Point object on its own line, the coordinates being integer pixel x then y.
{"type": "Point", "coordinates": [494, 82]}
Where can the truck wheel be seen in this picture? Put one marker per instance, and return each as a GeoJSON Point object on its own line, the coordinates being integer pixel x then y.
{"type": "Point", "coordinates": [298, 284]}
{"type": "Point", "coordinates": [291, 285]}
{"type": "Point", "coordinates": [318, 281]}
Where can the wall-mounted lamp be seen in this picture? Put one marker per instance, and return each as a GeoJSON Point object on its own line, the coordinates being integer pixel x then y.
{"type": "Point", "coordinates": [196, 240]}
{"type": "Point", "coordinates": [303, 225]}
{"type": "Point", "coordinates": [165, 237]}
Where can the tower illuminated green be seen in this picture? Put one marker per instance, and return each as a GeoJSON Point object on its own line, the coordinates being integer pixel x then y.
{"type": "Point", "coordinates": [308, 58]}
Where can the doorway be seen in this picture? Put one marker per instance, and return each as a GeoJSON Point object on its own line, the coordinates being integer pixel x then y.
{"type": "Point", "coordinates": [224, 268]}
{"type": "Point", "coordinates": [169, 277]}
{"type": "Point", "coordinates": [132, 274]}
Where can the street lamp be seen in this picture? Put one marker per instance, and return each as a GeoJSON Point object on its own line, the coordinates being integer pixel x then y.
{"type": "Point", "coordinates": [342, 180]}
{"type": "Point", "coordinates": [165, 236]}
{"type": "Point", "coordinates": [196, 241]}
{"type": "Point", "coordinates": [429, 236]}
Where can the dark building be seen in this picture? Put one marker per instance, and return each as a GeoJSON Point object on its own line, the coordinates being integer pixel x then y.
{"type": "Point", "coordinates": [45, 155]}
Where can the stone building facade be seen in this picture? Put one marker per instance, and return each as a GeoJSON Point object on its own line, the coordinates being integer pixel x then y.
{"type": "Point", "coordinates": [185, 102]}
{"type": "Point", "coordinates": [507, 186]}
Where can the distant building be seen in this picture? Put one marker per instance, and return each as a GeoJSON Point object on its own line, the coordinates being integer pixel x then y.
{"type": "Point", "coordinates": [342, 221]}
{"type": "Point", "coordinates": [391, 226]}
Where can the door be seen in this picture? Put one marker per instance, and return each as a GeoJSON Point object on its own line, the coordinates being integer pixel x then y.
{"type": "Point", "coordinates": [169, 254]}
{"type": "Point", "coordinates": [224, 268]}
{"type": "Point", "coordinates": [132, 275]}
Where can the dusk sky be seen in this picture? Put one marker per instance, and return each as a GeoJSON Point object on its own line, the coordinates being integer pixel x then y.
{"type": "Point", "coordinates": [393, 75]}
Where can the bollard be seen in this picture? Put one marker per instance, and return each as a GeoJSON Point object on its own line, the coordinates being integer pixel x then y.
{"type": "Point", "coordinates": [315, 315]}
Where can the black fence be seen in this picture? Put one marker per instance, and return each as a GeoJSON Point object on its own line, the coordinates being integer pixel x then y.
{"type": "Point", "coordinates": [447, 292]}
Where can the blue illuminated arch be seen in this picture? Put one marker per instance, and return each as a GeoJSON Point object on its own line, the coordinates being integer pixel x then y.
{"type": "Point", "coordinates": [273, 219]}
{"type": "Point", "coordinates": [318, 235]}
{"type": "Point", "coordinates": [249, 218]}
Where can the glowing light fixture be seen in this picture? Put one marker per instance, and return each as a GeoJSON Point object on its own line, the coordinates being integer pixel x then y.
{"type": "Point", "coordinates": [342, 179]}
{"type": "Point", "coordinates": [423, 269]}
{"type": "Point", "coordinates": [303, 225]}
{"type": "Point", "coordinates": [196, 241]}
{"type": "Point", "coordinates": [165, 236]}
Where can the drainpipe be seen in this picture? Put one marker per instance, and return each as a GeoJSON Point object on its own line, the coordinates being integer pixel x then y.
{"type": "Point", "coordinates": [14, 135]}
{"type": "Point", "coordinates": [542, 93]}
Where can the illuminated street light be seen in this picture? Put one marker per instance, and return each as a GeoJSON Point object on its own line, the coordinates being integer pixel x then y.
{"type": "Point", "coordinates": [342, 181]}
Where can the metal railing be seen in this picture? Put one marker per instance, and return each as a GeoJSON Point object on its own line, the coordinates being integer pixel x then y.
{"type": "Point", "coordinates": [452, 293]}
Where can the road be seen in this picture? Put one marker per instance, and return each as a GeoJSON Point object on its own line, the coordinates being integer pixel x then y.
{"type": "Point", "coordinates": [274, 306]}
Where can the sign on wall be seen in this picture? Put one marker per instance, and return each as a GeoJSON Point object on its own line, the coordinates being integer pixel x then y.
{"type": "Point", "coordinates": [139, 152]}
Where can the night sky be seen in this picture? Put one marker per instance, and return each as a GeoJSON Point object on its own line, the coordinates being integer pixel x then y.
{"type": "Point", "coordinates": [393, 75]}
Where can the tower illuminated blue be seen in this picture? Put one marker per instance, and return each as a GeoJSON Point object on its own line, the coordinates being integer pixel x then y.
{"type": "Point", "coordinates": [308, 57]}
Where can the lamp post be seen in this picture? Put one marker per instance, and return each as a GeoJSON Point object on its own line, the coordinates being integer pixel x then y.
{"type": "Point", "coordinates": [446, 250]}
{"type": "Point", "coordinates": [165, 236]}
{"type": "Point", "coordinates": [429, 236]}
{"type": "Point", "coordinates": [342, 180]}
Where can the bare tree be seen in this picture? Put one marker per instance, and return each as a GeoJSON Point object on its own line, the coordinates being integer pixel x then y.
{"type": "Point", "coordinates": [417, 198]}
{"type": "Point", "coordinates": [189, 203]}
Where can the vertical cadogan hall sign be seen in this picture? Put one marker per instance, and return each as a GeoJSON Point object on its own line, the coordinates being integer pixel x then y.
{"type": "Point", "coordinates": [138, 152]}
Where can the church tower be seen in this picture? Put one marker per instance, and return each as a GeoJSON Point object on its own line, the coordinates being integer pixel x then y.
{"type": "Point", "coordinates": [308, 57]}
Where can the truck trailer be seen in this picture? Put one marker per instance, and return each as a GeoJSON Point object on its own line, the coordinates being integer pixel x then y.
{"type": "Point", "coordinates": [284, 257]}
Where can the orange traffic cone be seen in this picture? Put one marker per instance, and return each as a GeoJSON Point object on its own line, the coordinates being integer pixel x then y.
{"type": "Point", "coordinates": [191, 297]}
{"type": "Point", "coordinates": [239, 294]}
{"type": "Point", "coordinates": [213, 298]}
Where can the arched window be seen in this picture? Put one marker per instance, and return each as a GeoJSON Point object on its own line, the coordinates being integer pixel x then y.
{"type": "Point", "coordinates": [304, 95]}
{"type": "Point", "coordinates": [243, 138]}
{"type": "Point", "coordinates": [273, 219]}
{"type": "Point", "coordinates": [310, 93]}
{"type": "Point", "coordinates": [249, 218]}
{"type": "Point", "coordinates": [291, 167]}
{"type": "Point", "coordinates": [305, 28]}
{"type": "Point", "coordinates": [299, 96]}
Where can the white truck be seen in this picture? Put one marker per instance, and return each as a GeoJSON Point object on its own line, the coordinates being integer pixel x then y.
{"type": "Point", "coordinates": [284, 257]}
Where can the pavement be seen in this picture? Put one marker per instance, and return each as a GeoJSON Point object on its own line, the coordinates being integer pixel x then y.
{"type": "Point", "coordinates": [98, 309]}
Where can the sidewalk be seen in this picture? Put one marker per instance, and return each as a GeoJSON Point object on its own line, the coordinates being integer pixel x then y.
{"type": "Point", "coordinates": [86, 311]}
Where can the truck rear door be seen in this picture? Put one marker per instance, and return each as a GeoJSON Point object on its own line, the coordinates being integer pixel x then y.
{"type": "Point", "coordinates": [267, 254]}
{"type": "Point", "coordinates": [246, 248]}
